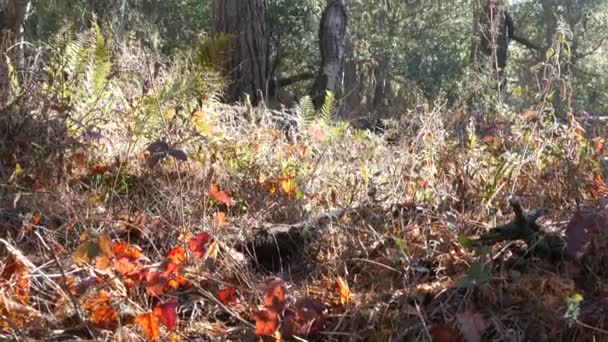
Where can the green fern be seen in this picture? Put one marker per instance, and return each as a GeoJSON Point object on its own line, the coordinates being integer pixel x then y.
{"type": "Point", "coordinates": [99, 66]}
{"type": "Point", "coordinates": [210, 52]}
{"type": "Point", "coordinates": [328, 106]}
{"type": "Point", "coordinates": [305, 111]}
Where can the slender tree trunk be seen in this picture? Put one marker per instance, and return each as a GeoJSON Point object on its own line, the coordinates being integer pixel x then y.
{"type": "Point", "coordinates": [12, 30]}
{"type": "Point", "coordinates": [332, 39]}
{"type": "Point", "coordinates": [249, 67]}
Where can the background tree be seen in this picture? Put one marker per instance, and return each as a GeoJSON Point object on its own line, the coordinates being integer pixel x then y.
{"type": "Point", "coordinates": [249, 68]}
{"type": "Point", "coordinates": [332, 39]}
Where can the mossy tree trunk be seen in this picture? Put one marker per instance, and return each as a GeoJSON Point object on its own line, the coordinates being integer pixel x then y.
{"type": "Point", "coordinates": [249, 66]}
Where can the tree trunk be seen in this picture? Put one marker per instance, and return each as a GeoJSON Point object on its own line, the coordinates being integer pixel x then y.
{"type": "Point", "coordinates": [12, 18]}
{"type": "Point", "coordinates": [332, 34]}
{"type": "Point", "coordinates": [249, 65]}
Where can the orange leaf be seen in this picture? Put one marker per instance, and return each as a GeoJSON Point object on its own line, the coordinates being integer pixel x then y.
{"type": "Point", "coordinates": [16, 272]}
{"type": "Point", "coordinates": [288, 186]}
{"type": "Point", "coordinates": [266, 322]}
{"type": "Point", "coordinates": [123, 265]}
{"type": "Point", "coordinates": [302, 150]}
{"type": "Point", "coordinates": [149, 325]}
{"type": "Point", "coordinates": [176, 282]}
{"type": "Point", "coordinates": [197, 244]}
{"type": "Point", "coordinates": [219, 196]}
{"type": "Point", "coordinates": [274, 294]}
{"type": "Point", "coordinates": [101, 312]}
{"type": "Point", "coordinates": [176, 255]}
{"type": "Point", "coordinates": [167, 313]}
{"type": "Point", "coordinates": [226, 295]}
{"type": "Point", "coordinates": [120, 248]}
{"type": "Point", "coordinates": [343, 290]}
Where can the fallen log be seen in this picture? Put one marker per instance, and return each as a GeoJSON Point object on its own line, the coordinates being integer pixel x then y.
{"type": "Point", "coordinates": [547, 246]}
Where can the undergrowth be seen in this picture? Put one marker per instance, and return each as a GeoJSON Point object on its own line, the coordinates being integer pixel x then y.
{"type": "Point", "coordinates": [110, 149]}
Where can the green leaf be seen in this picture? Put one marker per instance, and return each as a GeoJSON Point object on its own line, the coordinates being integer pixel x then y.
{"type": "Point", "coordinates": [550, 53]}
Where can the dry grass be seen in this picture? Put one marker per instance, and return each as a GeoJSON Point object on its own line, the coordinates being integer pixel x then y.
{"type": "Point", "coordinates": [398, 248]}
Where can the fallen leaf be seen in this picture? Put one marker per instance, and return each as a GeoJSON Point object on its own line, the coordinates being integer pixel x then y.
{"type": "Point", "coordinates": [98, 249]}
{"type": "Point", "coordinates": [167, 313]}
{"type": "Point", "coordinates": [17, 274]}
{"type": "Point", "coordinates": [266, 322]}
{"type": "Point", "coordinates": [288, 186]}
{"type": "Point", "coordinates": [275, 294]}
{"type": "Point", "coordinates": [101, 313]}
{"type": "Point", "coordinates": [176, 255]}
{"type": "Point", "coordinates": [148, 322]}
{"type": "Point", "coordinates": [219, 196]}
{"type": "Point", "coordinates": [197, 243]}
{"type": "Point", "coordinates": [227, 295]}
{"type": "Point", "coordinates": [472, 326]}
{"type": "Point", "coordinates": [155, 283]}
{"type": "Point", "coordinates": [584, 225]}
{"type": "Point", "coordinates": [343, 290]}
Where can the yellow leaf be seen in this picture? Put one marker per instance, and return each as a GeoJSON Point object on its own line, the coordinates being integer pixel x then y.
{"type": "Point", "coordinates": [18, 170]}
{"type": "Point", "coordinates": [288, 186]}
{"type": "Point", "coordinates": [169, 114]}
{"type": "Point", "coordinates": [343, 290]}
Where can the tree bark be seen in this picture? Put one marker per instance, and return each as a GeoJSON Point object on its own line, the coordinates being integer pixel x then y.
{"type": "Point", "coordinates": [249, 65]}
{"type": "Point", "coordinates": [332, 34]}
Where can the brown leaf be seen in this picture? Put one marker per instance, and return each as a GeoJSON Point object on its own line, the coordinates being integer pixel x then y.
{"type": "Point", "coordinates": [444, 333]}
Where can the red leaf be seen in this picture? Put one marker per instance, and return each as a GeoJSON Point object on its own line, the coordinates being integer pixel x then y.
{"type": "Point", "coordinates": [226, 295]}
{"type": "Point", "coordinates": [197, 244]}
{"type": "Point", "coordinates": [266, 322]}
{"type": "Point", "coordinates": [167, 312]}
{"type": "Point", "coordinates": [274, 294]}
{"type": "Point", "coordinates": [219, 196]}
{"type": "Point", "coordinates": [176, 255]}
{"type": "Point", "coordinates": [156, 283]}
{"type": "Point", "coordinates": [471, 326]}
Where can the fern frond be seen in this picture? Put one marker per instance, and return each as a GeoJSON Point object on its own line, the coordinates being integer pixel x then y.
{"type": "Point", "coordinates": [328, 106]}
{"type": "Point", "coordinates": [210, 52]}
{"type": "Point", "coordinates": [305, 111]}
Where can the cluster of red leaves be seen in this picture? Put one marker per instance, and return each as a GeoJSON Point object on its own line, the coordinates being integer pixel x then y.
{"type": "Point", "coordinates": [15, 287]}
{"type": "Point", "coordinates": [305, 318]}
{"type": "Point", "coordinates": [167, 277]}
{"type": "Point", "coordinates": [165, 313]}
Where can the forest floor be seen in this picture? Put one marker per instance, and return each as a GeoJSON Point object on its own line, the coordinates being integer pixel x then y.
{"type": "Point", "coordinates": [109, 235]}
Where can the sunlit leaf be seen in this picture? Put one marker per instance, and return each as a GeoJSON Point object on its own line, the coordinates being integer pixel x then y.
{"type": "Point", "coordinates": [266, 322]}
{"type": "Point", "coordinates": [167, 313]}
{"type": "Point", "coordinates": [197, 244]}
{"type": "Point", "coordinates": [176, 255]}
{"type": "Point", "coordinates": [343, 290]}
{"type": "Point", "coordinates": [227, 295]}
{"type": "Point", "coordinates": [219, 196]}
{"type": "Point", "coordinates": [275, 294]}
{"type": "Point", "coordinates": [148, 322]}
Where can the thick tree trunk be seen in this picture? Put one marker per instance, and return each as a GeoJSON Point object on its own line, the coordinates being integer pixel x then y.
{"type": "Point", "coordinates": [332, 34]}
{"type": "Point", "coordinates": [249, 67]}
